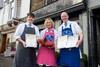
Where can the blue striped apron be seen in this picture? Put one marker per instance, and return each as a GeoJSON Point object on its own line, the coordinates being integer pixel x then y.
{"type": "Point", "coordinates": [69, 57]}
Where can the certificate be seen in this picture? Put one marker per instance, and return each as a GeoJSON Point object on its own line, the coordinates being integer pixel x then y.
{"type": "Point", "coordinates": [61, 42]}
{"type": "Point", "coordinates": [31, 40]}
{"type": "Point", "coordinates": [72, 41]}
{"type": "Point", "coordinates": [67, 41]}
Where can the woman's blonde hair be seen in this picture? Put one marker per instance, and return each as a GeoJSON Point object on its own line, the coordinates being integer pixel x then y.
{"type": "Point", "coordinates": [46, 20]}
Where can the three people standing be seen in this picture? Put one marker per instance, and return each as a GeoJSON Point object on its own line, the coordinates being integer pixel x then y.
{"type": "Point", "coordinates": [68, 57]}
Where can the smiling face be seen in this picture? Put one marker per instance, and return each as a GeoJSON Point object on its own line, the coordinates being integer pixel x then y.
{"type": "Point", "coordinates": [48, 23]}
{"type": "Point", "coordinates": [30, 19]}
{"type": "Point", "coordinates": [64, 16]}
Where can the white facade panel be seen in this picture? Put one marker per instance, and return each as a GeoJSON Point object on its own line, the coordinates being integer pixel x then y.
{"type": "Point", "coordinates": [83, 20]}
{"type": "Point", "coordinates": [1, 17]}
{"type": "Point", "coordinates": [93, 3]}
{"type": "Point", "coordinates": [57, 24]}
{"type": "Point", "coordinates": [6, 12]}
{"type": "Point", "coordinates": [25, 6]}
{"type": "Point", "coordinates": [4, 15]}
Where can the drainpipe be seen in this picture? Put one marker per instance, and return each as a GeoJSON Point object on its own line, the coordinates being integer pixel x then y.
{"type": "Point", "coordinates": [88, 24]}
{"type": "Point", "coordinates": [30, 8]}
{"type": "Point", "coordinates": [88, 32]}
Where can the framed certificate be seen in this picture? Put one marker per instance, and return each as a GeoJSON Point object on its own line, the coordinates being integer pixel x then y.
{"type": "Point", "coordinates": [67, 41]}
{"type": "Point", "coordinates": [31, 40]}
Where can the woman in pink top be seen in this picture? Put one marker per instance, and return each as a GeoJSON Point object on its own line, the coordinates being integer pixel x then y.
{"type": "Point", "coordinates": [46, 53]}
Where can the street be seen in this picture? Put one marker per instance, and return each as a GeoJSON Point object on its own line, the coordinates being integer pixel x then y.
{"type": "Point", "coordinates": [5, 61]}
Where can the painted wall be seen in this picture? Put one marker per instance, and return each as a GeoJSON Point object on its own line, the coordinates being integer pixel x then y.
{"type": "Point", "coordinates": [93, 3]}
{"type": "Point", "coordinates": [4, 15]}
{"type": "Point", "coordinates": [83, 20]}
{"type": "Point", "coordinates": [7, 12]}
{"type": "Point", "coordinates": [1, 16]}
{"type": "Point", "coordinates": [25, 6]}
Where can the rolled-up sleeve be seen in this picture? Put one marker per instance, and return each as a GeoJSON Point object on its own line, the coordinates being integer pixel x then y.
{"type": "Point", "coordinates": [37, 31]}
{"type": "Point", "coordinates": [59, 31]}
{"type": "Point", "coordinates": [19, 31]}
{"type": "Point", "coordinates": [56, 34]}
{"type": "Point", "coordinates": [42, 34]}
{"type": "Point", "coordinates": [77, 27]}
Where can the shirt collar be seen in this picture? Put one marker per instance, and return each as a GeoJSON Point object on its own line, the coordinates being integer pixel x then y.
{"type": "Point", "coordinates": [68, 22]}
{"type": "Point", "coordinates": [27, 23]}
{"type": "Point", "coordinates": [47, 29]}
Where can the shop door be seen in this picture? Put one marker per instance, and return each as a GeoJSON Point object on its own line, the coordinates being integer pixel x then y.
{"type": "Point", "coordinates": [3, 43]}
{"type": "Point", "coordinates": [96, 19]}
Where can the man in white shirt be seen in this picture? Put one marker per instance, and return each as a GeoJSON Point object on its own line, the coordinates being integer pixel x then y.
{"type": "Point", "coordinates": [25, 56]}
{"type": "Point", "coordinates": [70, 57]}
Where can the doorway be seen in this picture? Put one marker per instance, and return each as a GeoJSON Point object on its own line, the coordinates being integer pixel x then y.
{"type": "Point", "coordinates": [3, 44]}
{"type": "Point", "coordinates": [96, 32]}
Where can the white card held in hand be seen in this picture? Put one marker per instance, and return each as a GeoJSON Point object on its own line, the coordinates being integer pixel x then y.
{"type": "Point", "coordinates": [67, 41]}
{"type": "Point", "coordinates": [31, 40]}
{"type": "Point", "coordinates": [61, 42]}
{"type": "Point", "coordinates": [72, 41]}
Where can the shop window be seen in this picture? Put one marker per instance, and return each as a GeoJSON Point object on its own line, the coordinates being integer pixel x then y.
{"type": "Point", "coordinates": [1, 4]}
{"type": "Point", "coordinates": [6, 1]}
{"type": "Point", "coordinates": [11, 1]}
{"type": "Point", "coordinates": [11, 11]}
{"type": "Point", "coordinates": [36, 4]}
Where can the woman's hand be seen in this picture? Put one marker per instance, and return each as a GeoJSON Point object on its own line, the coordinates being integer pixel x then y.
{"type": "Point", "coordinates": [41, 41]}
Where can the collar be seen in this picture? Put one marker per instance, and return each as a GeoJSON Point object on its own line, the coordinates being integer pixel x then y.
{"type": "Point", "coordinates": [47, 29]}
{"type": "Point", "coordinates": [68, 22]}
{"type": "Point", "coordinates": [27, 23]}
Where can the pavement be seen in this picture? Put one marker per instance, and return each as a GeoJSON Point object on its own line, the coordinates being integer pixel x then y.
{"type": "Point", "coordinates": [8, 60]}
{"type": "Point", "coordinates": [5, 61]}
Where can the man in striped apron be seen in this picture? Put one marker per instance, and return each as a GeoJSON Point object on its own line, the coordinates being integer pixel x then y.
{"type": "Point", "coordinates": [69, 57]}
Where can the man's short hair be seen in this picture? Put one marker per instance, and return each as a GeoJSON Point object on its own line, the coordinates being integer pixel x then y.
{"type": "Point", "coordinates": [30, 14]}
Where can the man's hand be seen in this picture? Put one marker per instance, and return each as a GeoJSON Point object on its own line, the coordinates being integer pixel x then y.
{"type": "Point", "coordinates": [24, 43]}
{"type": "Point", "coordinates": [78, 43]}
{"type": "Point", "coordinates": [80, 39]}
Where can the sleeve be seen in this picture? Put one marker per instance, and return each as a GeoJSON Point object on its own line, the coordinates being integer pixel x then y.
{"type": "Point", "coordinates": [56, 34]}
{"type": "Point", "coordinates": [19, 31]}
{"type": "Point", "coordinates": [59, 31]}
{"type": "Point", "coordinates": [37, 32]}
{"type": "Point", "coordinates": [42, 34]}
{"type": "Point", "coordinates": [77, 27]}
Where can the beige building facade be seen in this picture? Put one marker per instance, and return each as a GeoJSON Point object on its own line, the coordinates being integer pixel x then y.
{"type": "Point", "coordinates": [82, 11]}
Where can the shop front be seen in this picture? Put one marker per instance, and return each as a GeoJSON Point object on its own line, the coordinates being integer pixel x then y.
{"type": "Point", "coordinates": [94, 38]}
